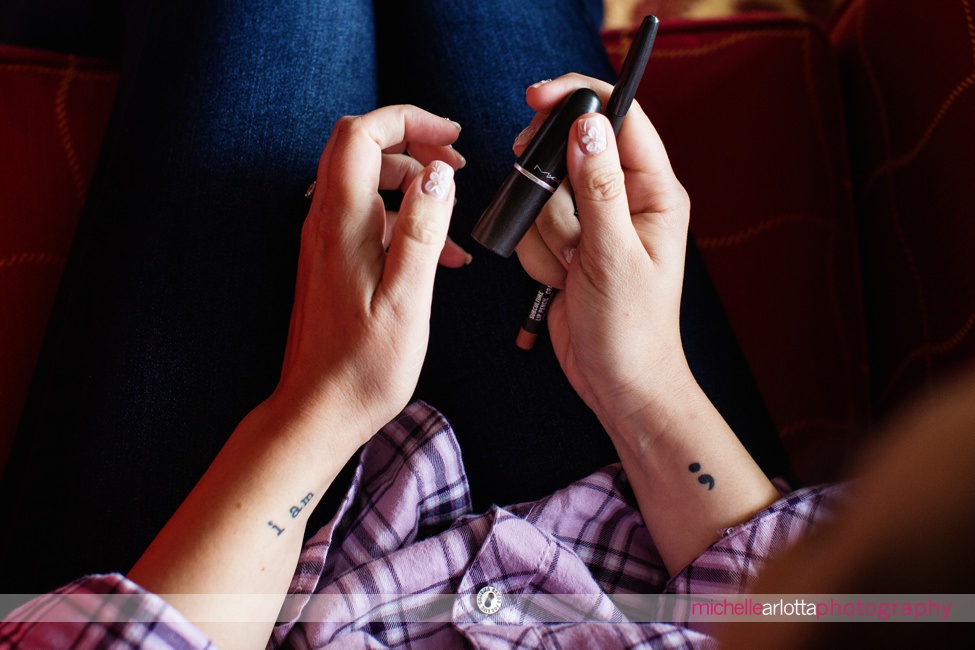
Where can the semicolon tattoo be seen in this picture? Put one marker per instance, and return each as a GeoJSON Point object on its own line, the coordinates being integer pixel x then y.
{"type": "Point", "coordinates": [703, 479]}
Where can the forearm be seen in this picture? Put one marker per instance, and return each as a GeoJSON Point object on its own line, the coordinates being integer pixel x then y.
{"type": "Point", "coordinates": [241, 528]}
{"type": "Point", "coordinates": [691, 476]}
{"type": "Point", "coordinates": [356, 344]}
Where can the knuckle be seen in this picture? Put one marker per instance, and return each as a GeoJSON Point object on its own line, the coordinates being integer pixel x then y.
{"type": "Point", "coordinates": [679, 210]}
{"type": "Point", "coordinates": [345, 131]}
{"type": "Point", "coordinates": [347, 125]}
{"type": "Point", "coordinates": [421, 228]}
{"type": "Point", "coordinates": [684, 198]}
{"type": "Point", "coordinates": [604, 185]}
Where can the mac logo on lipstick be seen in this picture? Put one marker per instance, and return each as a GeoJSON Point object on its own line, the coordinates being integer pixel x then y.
{"type": "Point", "coordinates": [550, 182]}
{"type": "Point", "coordinates": [535, 177]}
{"type": "Point", "coordinates": [548, 176]}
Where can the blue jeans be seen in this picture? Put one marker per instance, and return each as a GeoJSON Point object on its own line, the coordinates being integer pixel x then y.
{"type": "Point", "coordinates": [173, 312]}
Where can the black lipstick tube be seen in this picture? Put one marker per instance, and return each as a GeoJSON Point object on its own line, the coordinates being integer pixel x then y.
{"type": "Point", "coordinates": [535, 177]}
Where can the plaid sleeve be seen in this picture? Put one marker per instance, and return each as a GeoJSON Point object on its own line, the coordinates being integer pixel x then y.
{"type": "Point", "coordinates": [731, 565]}
{"type": "Point", "coordinates": [409, 485]}
{"type": "Point", "coordinates": [99, 611]}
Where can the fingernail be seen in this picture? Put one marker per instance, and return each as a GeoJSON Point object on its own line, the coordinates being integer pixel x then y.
{"type": "Point", "coordinates": [439, 178]}
{"type": "Point", "coordinates": [540, 83]}
{"type": "Point", "coordinates": [459, 127]}
{"type": "Point", "coordinates": [525, 136]}
{"type": "Point", "coordinates": [592, 136]}
{"type": "Point", "coordinates": [469, 259]}
{"type": "Point", "coordinates": [463, 161]}
{"type": "Point", "coordinates": [568, 253]}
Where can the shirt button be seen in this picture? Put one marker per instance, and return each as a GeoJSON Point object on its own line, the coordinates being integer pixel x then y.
{"type": "Point", "coordinates": [489, 600]}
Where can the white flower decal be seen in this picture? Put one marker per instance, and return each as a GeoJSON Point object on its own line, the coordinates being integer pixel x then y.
{"type": "Point", "coordinates": [437, 183]}
{"type": "Point", "coordinates": [593, 137]}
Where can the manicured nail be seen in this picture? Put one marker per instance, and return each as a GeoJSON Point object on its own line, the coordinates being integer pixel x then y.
{"type": "Point", "coordinates": [592, 136]}
{"type": "Point", "coordinates": [568, 253]}
{"type": "Point", "coordinates": [459, 127]}
{"type": "Point", "coordinates": [463, 161]}
{"type": "Point", "coordinates": [438, 180]}
{"type": "Point", "coordinates": [538, 84]}
{"type": "Point", "coordinates": [525, 136]}
{"type": "Point", "coordinates": [310, 192]}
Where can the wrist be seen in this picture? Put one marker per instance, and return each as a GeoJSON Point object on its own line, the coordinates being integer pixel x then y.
{"type": "Point", "coordinates": [638, 418]}
{"type": "Point", "coordinates": [327, 432]}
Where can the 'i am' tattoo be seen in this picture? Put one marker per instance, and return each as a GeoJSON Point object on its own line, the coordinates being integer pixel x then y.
{"type": "Point", "coordinates": [294, 511]}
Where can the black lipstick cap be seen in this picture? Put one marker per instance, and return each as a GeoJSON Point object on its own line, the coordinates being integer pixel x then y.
{"type": "Point", "coordinates": [537, 174]}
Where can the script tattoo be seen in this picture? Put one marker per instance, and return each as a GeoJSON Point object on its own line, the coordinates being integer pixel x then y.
{"type": "Point", "coordinates": [293, 511]}
{"type": "Point", "coordinates": [277, 529]}
{"type": "Point", "coordinates": [298, 508]}
{"type": "Point", "coordinates": [703, 479]}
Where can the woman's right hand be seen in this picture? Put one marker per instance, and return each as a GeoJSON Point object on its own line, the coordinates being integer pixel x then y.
{"type": "Point", "coordinates": [615, 327]}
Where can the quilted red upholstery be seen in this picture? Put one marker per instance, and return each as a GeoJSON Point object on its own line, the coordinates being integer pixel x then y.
{"type": "Point", "coordinates": [750, 112]}
{"type": "Point", "coordinates": [623, 13]}
{"type": "Point", "coordinates": [910, 88]}
{"type": "Point", "coordinates": [52, 117]}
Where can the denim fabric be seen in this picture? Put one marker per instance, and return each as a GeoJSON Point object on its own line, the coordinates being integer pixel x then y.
{"type": "Point", "coordinates": [172, 316]}
{"type": "Point", "coordinates": [173, 312]}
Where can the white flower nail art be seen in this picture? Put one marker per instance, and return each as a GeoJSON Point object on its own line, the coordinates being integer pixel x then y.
{"type": "Point", "coordinates": [437, 183]}
{"type": "Point", "coordinates": [593, 137]}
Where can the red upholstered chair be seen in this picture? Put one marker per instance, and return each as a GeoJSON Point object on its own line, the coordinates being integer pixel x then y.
{"type": "Point", "coordinates": [827, 167]}
{"type": "Point", "coordinates": [53, 113]}
{"type": "Point", "coordinates": [909, 84]}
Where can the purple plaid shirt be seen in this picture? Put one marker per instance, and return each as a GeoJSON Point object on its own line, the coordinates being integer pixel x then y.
{"type": "Point", "coordinates": [405, 564]}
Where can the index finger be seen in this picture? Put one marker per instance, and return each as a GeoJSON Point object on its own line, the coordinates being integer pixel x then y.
{"type": "Point", "coordinates": [351, 164]}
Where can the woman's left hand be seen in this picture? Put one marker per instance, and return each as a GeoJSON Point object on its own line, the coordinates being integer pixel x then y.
{"type": "Point", "coordinates": [357, 341]}
{"type": "Point", "coordinates": [360, 322]}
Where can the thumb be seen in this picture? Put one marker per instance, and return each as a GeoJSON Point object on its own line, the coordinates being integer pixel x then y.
{"type": "Point", "coordinates": [419, 234]}
{"type": "Point", "coordinates": [598, 185]}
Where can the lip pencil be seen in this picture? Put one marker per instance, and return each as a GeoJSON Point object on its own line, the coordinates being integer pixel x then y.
{"type": "Point", "coordinates": [631, 74]}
